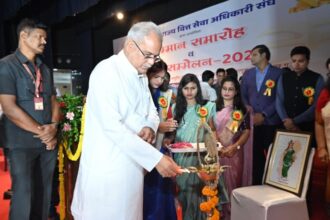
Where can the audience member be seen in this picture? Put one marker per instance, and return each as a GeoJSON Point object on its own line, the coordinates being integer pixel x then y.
{"type": "Point", "coordinates": [232, 73]}
{"type": "Point", "coordinates": [208, 92]}
{"type": "Point", "coordinates": [258, 91]}
{"type": "Point", "coordinates": [297, 93]}
{"type": "Point", "coordinates": [233, 129]}
{"type": "Point", "coordinates": [158, 200]}
{"type": "Point", "coordinates": [221, 74]}
{"type": "Point", "coordinates": [188, 102]}
{"type": "Point", "coordinates": [322, 134]}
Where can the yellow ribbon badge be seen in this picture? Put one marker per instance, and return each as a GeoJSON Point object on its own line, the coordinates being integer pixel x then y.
{"type": "Point", "coordinates": [202, 112]}
{"type": "Point", "coordinates": [309, 93]}
{"type": "Point", "coordinates": [163, 105]}
{"type": "Point", "coordinates": [236, 117]}
{"type": "Point", "coordinates": [269, 84]}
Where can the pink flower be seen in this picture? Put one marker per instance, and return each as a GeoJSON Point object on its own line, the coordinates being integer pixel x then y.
{"type": "Point", "coordinates": [70, 115]}
{"type": "Point", "coordinates": [66, 127]}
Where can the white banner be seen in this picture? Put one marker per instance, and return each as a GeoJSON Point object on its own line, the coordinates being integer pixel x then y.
{"type": "Point", "coordinates": [222, 36]}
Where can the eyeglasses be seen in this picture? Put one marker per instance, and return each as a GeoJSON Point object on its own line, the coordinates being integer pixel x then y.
{"type": "Point", "coordinates": [156, 58]}
{"type": "Point", "coordinates": [228, 89]}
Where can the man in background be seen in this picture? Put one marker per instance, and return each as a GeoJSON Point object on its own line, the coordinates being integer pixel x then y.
{"type": "Point", "coordinates": [258, 91]}
{"type": "Point", "coordinates": [208, 92]}
{"type": "Point", "coordinates": [221, 74]}
{"type": "Point", "coordinates": [31, 116]}
{"type": "Point", "coordinates": [297, 93]}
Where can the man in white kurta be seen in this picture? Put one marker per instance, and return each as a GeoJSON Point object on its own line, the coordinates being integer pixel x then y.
{"type": "Point", "coordinates": [120, 121]}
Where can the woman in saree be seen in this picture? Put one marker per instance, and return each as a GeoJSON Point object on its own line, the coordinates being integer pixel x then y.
{"type": "Point", "coordinates": [158, 191]}
{"type": "Point", "coordinates": [233, 129]}
{"type": "Point", "coordinates": [189, 100]}
{"type": "Point", "coordinates": [322, 131]}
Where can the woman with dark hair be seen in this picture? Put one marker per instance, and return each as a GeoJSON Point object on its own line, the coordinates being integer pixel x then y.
{"type": "Point", "coordinates": [186, 112]}
{"type": "Point", "coordinates": [233, 129]}
{"type": "Point", "coordinates": [158, 191]}
{"type": "Point", "coordinates": [322, 130]}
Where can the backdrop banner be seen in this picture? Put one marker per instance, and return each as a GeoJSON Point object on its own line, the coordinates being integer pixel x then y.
{"type": "Point", "coordinates": [222, 36]}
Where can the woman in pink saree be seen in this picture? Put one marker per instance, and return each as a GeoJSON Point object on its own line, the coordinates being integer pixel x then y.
{"type": "Point", "coordinates": [234, 132]}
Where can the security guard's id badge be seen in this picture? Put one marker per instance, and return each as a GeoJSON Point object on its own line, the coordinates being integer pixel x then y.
{"type": "Point", "coordinates": [38, 103]}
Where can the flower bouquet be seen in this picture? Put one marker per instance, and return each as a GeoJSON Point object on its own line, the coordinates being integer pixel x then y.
{"type": "Point", "coordinates": [70, 124]}
{"type": "Point", "coordinates": [71, 132]}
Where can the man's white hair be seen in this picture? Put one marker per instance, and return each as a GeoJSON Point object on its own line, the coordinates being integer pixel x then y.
{"type": "Point", "coordinates": [141, 29]}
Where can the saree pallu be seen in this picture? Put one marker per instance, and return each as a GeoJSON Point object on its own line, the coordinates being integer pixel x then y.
{"type": "Point", "coordinates": [239, 172]}
{"type": "Point", "coordinates": [190, 186]}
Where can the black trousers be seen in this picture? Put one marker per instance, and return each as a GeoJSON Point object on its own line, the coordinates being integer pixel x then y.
{"type": "Point", "coordinates": [31, 172]}
{"type": "Point", "coordinates": [263, 136]}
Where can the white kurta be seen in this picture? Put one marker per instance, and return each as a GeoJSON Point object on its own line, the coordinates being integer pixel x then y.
{"type": "Point", "coordinates": [110, 178]}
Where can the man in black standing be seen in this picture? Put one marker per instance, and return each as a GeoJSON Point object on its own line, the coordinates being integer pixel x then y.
{"type": "Point", "coordinates": [31, 116]}
{"type": "Point", "coordinates": [297, 93]}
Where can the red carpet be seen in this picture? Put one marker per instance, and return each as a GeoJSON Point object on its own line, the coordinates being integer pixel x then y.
{"type": "Point", "coordinates": [4, 186]}
{"type": "Point", "coordinates": [317, 210]}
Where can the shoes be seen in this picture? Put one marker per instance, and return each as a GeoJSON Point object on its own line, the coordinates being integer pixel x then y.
{"type": "Point", "coordinates": [8, 194]}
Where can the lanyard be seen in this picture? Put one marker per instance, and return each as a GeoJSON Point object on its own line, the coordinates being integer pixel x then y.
{"type": "Point", "coordinates": [37, 80]}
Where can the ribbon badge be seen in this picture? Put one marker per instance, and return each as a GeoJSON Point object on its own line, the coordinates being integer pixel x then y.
{"type": "Point", "coordinates": [309, 93]}
{"type": "Point", "coordinates": [163, 105]}
{"type": "Point", "coordinates": [202, 112]}
{"type": "Point", "coordinates": [236, 117]}
{"type": "Point", "coordinates": [269, 84]}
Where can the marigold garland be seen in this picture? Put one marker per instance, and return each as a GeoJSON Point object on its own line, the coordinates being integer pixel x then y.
{"type": "Point", "coordinates": [61, 182]}
{"type": "Point", "coordinates": [208, 191]}
{"type": "Point", "coordinates": [211, 203]}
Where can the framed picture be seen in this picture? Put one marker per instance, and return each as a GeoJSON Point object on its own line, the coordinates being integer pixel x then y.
{"type": "Point", "coordinates": [288, 160]}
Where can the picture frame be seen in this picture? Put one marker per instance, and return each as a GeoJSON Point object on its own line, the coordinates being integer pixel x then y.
{"type": "Point", "coordinates": [287, 163]}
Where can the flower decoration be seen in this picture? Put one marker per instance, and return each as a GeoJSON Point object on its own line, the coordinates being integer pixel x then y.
{"type": "Point", "coordinates": [210, 205]}
{"type": "Point", "coordinates": [71, 108]}
{"type": "Point", "coordinates": [202, 112]}
{"type": "Point", "coordinates": [208, 191]}
{"type": "Point", "coordinates": [269, 84]}
{"type": "Point", "coordinates": [69, 115]}
{"type": "Point", "coordinates": [71, 132]}
{"type": "Point", "coordinates": [236, 117]}
{"type": "Point", "coordinates": [162, 102]}
{"type": "Point", "coordinates": [309, 93]}
{"type": "Point", "coordinates": [66, 127]}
